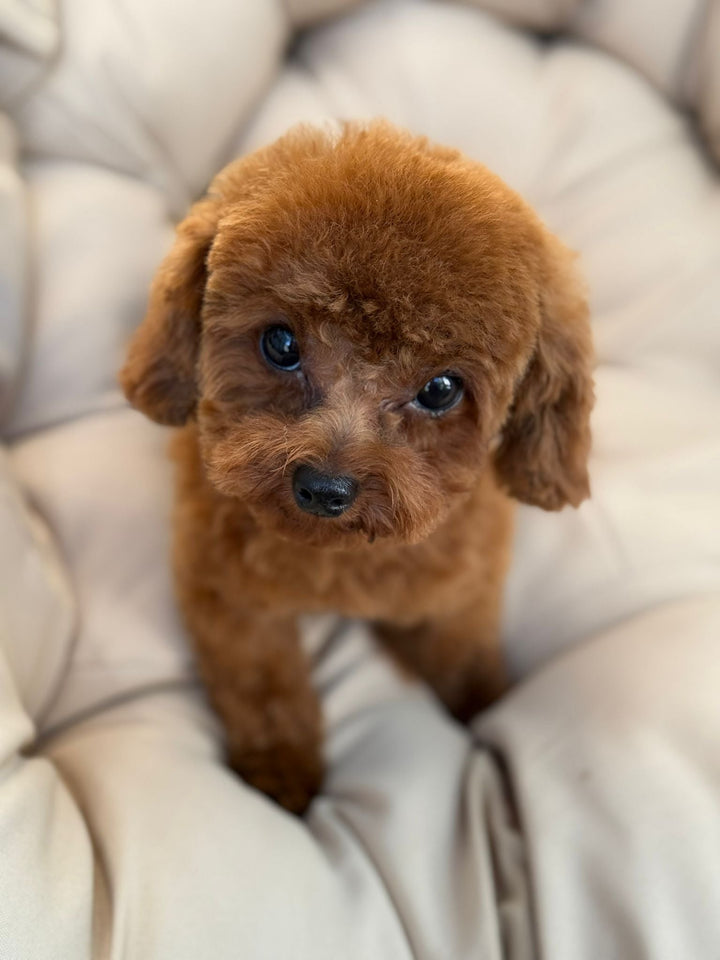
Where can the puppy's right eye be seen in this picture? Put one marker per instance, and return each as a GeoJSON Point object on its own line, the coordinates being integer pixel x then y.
{"type": "Point", "coordinates": [280, 348]}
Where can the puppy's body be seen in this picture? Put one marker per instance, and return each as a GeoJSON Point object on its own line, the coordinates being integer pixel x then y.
{"type": "Point", "coordinates": [390, 268]}
{"type": "Point", "coordinates": [436, 604]}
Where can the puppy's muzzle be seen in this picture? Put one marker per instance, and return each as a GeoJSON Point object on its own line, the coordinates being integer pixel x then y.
{"type": "Point", "coordinates": [322, 494]}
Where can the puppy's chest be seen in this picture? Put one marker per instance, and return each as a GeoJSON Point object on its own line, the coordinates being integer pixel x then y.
{"type": "Point", "coordinates": [400, 583]}
{"type": "Point", "coordinates": [220, 549]}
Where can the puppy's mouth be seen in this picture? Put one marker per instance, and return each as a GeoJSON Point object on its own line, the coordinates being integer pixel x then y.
{"type": "Point", "coordinates": [348, 528]}
{"type": "Point", "coordinates": [353, 516]}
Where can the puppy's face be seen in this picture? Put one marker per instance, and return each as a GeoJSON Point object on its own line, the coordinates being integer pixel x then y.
{"type": "Point", "coordinates": [339, 421]}
{"type": "Point", "coordinates": [358, 325]}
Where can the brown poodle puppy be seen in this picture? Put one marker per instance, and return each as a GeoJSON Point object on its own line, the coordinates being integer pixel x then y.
{"type": "Point", "coordinates": [371, 344]}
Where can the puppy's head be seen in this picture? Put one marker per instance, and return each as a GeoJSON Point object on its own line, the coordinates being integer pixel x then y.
{"type": "Point", "coordinates": [359, 325]}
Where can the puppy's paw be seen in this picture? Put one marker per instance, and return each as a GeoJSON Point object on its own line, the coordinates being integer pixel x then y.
{"type": "Point", "coordinates": [290, 774]}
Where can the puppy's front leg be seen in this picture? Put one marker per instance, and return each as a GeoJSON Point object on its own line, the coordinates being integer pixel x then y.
{"type": "Point", "coordinates": [258, 680]}
{"type": "Point", "coordinates": [458, 655]}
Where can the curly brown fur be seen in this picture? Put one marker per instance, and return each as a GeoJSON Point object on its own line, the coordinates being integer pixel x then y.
{"type": "Point", "coordinates": [393, 261]}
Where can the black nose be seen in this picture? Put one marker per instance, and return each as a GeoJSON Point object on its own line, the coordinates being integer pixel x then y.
{"type": "Point", "coordinates": [321, 494]}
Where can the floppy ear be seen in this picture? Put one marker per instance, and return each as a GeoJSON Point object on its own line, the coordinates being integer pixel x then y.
{"type": "Point", "coordinates": [542, 456]}
{"type": "Point", "coordinates": [159, 374]}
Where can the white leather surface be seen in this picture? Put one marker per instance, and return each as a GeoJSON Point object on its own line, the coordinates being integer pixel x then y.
{"type": "Point", "coordinates": [122, 834]}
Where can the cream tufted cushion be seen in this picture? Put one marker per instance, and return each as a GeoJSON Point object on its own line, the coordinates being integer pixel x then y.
{"type": "Point", "coordinates": [575, 822]}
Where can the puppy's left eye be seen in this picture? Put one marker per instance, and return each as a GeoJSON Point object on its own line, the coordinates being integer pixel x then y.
{"type": "Point", "coordinates": [440, 394]}
{"type": "Point", "coordinates": [280, 348]}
